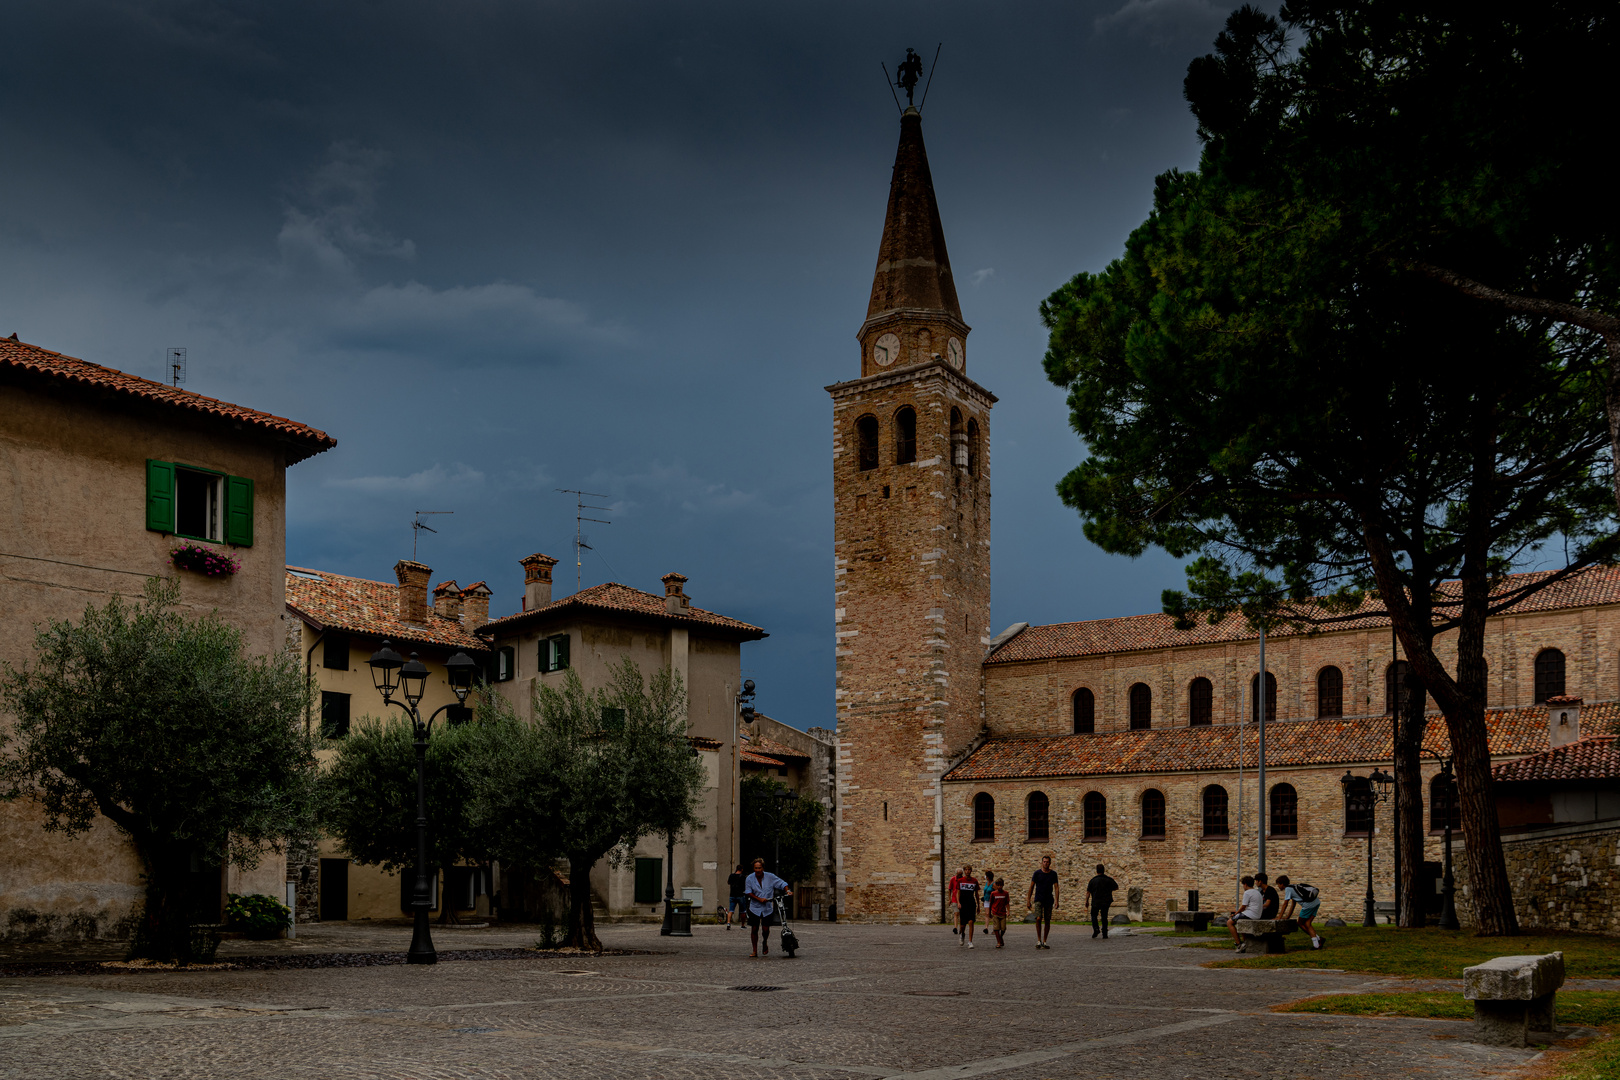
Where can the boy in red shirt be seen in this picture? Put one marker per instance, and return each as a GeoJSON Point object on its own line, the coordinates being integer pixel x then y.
{"type": "Point", "coordinates": [998, 911]}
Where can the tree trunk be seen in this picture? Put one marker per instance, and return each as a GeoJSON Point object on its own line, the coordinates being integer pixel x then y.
{"type": "Point", "coordinates": [164, 931]}
{"type": "Point", "coordinates": [581, 918]}
{"type": "Point", "coordinates": [1490, 893]}
{"type": "Point", "coordinates": [1409, 788]}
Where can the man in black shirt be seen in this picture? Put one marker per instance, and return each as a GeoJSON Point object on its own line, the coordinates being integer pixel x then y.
{"type": "Point", "coordinates": [1100, 895]}
{"type": "Point", "coordinates": [1269, 899]}
{"type": "Point", "coordinates": [739, 894]}
{"type": "Point", "coordinates": [1043, 897]}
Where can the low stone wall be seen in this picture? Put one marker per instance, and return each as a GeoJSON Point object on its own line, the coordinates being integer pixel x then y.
{"type": "Point", "coordinates": [1563, 878]}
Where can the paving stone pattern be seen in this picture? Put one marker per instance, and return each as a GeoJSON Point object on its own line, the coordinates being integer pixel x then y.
{"type": "Point", "coordinates": [1132, 1005]}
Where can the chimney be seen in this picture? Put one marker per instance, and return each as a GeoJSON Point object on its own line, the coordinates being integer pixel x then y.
{"type": "Point", "coordinates": [413, 586]}
{"type": "Point", "coordinates": [537, 580]}
{"type": "Point", "coordinates": [447, 600]}
{"type": "Point", "coordinates": [1563, 720]}
{"type": "Point", "coordinates": [675, 599]}
{"type": "Point", "coordinates": [475, 605]}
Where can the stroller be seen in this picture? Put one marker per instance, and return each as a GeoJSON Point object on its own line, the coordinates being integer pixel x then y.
{"type": "Point", "coordinates": [789, 940]}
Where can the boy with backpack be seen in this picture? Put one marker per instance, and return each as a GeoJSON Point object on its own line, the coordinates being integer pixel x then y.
{"type": "Point", "coordinates": [1304, 901]}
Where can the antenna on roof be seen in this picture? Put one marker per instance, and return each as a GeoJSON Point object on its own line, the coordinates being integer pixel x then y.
{"type": "Point", "coordinates": [417, 528]}
{"type": "Point", "coordinates": [580, 546]}
{"type": "Point", "coordinates": [177, 366]}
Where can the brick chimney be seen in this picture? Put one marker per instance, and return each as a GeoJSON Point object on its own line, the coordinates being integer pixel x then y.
{"type": "Point", "coordinates": [475, 605]}
{"type": "Point", "coordinates": [537, 580]}
{"type": "Point", "coordinates": [1563, 720]}
{"type": "Point", "coordinates": [447, 600]}
{"type": "Point", "coordinates": [413, 587]}
{"type": "Point", "coordinates": [676, 602]}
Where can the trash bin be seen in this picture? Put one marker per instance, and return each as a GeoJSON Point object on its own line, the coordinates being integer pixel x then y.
{"type": "Point", "coordinates": [680, 918]}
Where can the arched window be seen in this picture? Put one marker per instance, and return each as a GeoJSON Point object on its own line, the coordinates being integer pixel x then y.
{"type": "Point", "coordinates": [1358, 806]}
{"type": "Point", "coordinates": [1141, 707]}
{"type": "Point", "coordinates": [1329, 693]}
{"type": "Point", "coordinates": [1400, 683]}
{"type": "Point", "coordinates": [1284, 810]}
{"type": "Point", "coordinates": [1200, 702]}
{"type": "Point", "coordinates": [905, 436]}
{"type": "Point", "coordinates": [1443, 808]}
{"type": "Point", "coordinates": [1096, 811]}
{"type": "Point", "coordinates": [984, 816]}
{"type": "Point", "coordinates": [1152, 812]}
{"type": "Point", "coordinates": [959, 454]}
{"type": "Point", "coordinates": [1271, 698]}
{"type": "Point", "coordinates": [1037, 814]}
{"type": "Point", "coordinates": [1085, 712]}
{"type": "Point", "coordinates": [866, 439]}
{"type": "Point", "coordinates": [1549, 674]}
{"type": "Point", "coordinates": [972, 447]}
{"type": "Point", "coordinates": [1215, 823]}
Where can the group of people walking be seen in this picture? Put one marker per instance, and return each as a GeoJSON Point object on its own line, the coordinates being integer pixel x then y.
{"type": "Point", "coordinates": [1261, 900]}
{"type": "Point", "coordinates": [969, 896]}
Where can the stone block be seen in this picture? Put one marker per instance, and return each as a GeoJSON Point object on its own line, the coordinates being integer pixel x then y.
{"type": "Point", "coordinates": [1191, 922]}
{"type": "Point", "coordinates": [1120, 920]}
{"type": "Point", "coordinates": [1133, 903]}
{"type": "Point", "coordinates": [1269, 935]}
{"type": "Point", "coordinates": [1514, 996]}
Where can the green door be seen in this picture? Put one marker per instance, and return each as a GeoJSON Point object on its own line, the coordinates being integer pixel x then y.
{"type": "Point", "coordinates": [649, 881]}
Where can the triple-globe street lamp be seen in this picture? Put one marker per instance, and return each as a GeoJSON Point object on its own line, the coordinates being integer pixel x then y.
{"type": "Point", "coordinates": [1377, 791]}
{"type": "Point", "coordinates": [393, 674]}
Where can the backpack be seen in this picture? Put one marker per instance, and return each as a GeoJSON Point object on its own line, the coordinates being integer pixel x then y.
{"type": "Point", "coordinates": [1307, 893]}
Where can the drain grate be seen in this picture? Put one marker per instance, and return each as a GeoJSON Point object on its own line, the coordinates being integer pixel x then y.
{"type": "Point", "coordinates": [758, 989]}
{"type": "Point", "coordinates": [937, 993]}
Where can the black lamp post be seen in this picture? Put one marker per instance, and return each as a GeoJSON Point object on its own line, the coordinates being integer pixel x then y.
{"type": "Point", "coordinates": [1377, 791]}
{"type": "Point", "coordinates": [1448, 883]}
{"type": "Point", "coordinates": [393, 674]}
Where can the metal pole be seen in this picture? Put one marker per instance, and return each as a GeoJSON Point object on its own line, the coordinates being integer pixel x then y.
{"type": "Point", "coordinates": [421, 951]}
{"type": "Point", "coordinates": [1237, 879]}
{"type": "Point", "coordinates": [1394, 756]}
{"type": "Point", "coordinates": [1368, 918]}
{"type": "Point", "coordinates": [669, 885]}
{"type": "Point", "coordinates": [1263, 698]}
{"type": "Point", "coordinates": [1448, 890]}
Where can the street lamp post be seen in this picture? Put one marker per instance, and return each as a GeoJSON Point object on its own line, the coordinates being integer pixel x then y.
{"type": "Point", "coordinates": [393, 674]}
{"type": "Point", "coordinates": [1377, 792]}
{"type": "Point", "coordinates": [1448, 883]}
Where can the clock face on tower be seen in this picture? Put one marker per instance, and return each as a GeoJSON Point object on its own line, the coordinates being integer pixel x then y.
{"type": "Point", "coordinates": [953, 353]}
{"type": "Point", "coordinates": [886, 350]}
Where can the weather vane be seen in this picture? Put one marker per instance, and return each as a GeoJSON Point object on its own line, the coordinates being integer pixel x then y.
{"type": "Point", "coordinates": [908, 74]}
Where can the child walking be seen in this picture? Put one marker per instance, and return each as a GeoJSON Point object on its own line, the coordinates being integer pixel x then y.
{"type": "Point", "coordinates": [998, 911]}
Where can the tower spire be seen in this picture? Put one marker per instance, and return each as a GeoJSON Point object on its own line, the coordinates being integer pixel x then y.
{"type": "Point", "coordinates": [913, 268]}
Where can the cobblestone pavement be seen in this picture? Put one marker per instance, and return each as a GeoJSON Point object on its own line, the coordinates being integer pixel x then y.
{"type": "Point", "coordinates": [858, 1001]}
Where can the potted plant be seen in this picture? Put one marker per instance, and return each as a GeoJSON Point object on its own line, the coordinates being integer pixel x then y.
{"type": "Point", "coordinates": [204, 560]}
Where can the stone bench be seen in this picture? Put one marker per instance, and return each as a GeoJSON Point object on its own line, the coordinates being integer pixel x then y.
{"type": "Point", "coordinates": [1191, 922]}
{"type": "Point", "coordinates": [1513, 996]}
{"type": "Point", "coordinates": [1267, 933]}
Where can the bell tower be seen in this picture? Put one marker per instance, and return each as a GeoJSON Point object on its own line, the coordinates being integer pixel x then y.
{"type": "Point", "coordinates": [911, 525]}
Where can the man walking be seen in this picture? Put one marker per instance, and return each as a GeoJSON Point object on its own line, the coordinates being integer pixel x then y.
{"type": "Point", "coordinates": [951, 897]}
{"type": "Point", "coordinates": [1100, 892]}
{"type": "Point", "coordinates": [1042, 898]}
{"type": "Point", "coordinates": [967, 898]}
{"type": "Point", "coordinates": [762, 886]}
{"type": "Point", "coordinates": [738, 897]}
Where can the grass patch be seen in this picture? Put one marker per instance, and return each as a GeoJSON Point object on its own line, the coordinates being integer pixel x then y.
{"type": "Point", "coordinates": [1431, 952]}
{"type": "Point", "coordinates": [1588, 1008]}
{"type": "Point", "coordinates": [1600, 1061]}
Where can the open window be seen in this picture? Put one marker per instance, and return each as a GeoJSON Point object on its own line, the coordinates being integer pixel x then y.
{"type": "Point", "coordinates": [554, 653]}
{"type": "Point", "coordinates": [199, 503]}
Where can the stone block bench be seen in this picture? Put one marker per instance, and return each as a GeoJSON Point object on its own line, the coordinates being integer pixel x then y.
{"type": "Point", "coordinates": [1191, 922]}
{"type": "Point", "coordinates": [1513, 996]}
{"type": "Point", "coordinates": [1266, 933]}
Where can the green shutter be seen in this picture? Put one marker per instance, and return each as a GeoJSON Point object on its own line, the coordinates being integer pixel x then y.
{"type": "Point", "coordinates": [239, 511]}
{"type": "Point", "coordinates": [160, 496]}
{"type": "Point", "coordinates": [562, 652]}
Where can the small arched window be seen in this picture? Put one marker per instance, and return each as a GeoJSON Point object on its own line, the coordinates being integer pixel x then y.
{"type": "Point", "coordinates": [1200, 702]}
{"type": "Point", "coordinates": [1037, 814]}
{"type": "Point", "coordinates": [1215, 821]}
{"type": "Point", "coordinates": [1284, 810]}
{"type": "Point", "coordinates": [1329, 693]}
{"type": "Point", "coordinates": [1358, 806]}
{"type": "Point", "coordinates": [866, 441]}
{"type": "Point", "coordinates": [1152, 812]}
{"type": "Point", "coordinates": [984, 816]}
{"type": "Point", "coordinates": [905, 436]}
{"type": "Point", "coordinates": [1141, 707]}
{"type": "Point", "coordinates": [1085, 711]}
{"type": "Point", "coordinates": [1096, 815]}
{"type": "Point", "coordinates": [1443, 808]}
{"type": "Point", "coordinates": [959, 453]}
{"type": "Point", "coordinates": [973, 447]}
{"type": "Point", "coordinates": [1400, 683]}
{"type": "Point", "coordinates": [1271, 698]}
{"type": "Point", "coordinates": [1549, 675]}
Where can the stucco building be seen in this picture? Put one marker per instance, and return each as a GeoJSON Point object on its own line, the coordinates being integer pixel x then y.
{"type": "Point", "coordinates": [102, 475]}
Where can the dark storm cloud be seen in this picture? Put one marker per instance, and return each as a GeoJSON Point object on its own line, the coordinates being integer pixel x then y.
{"type": "Point", "coordinates": [499, 248]}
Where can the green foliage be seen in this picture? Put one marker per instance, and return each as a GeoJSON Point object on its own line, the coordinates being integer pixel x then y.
{"type": "Point", "coordinates": [166, 727]}
{"type": "Point", "coordinates": [800, 821]}
{"type": "Point", "coordinates": [1588, 1008]}
{"type": "Point", "coordinates": [258, 916]}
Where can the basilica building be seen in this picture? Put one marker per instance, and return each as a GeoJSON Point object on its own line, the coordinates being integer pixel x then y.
{"type": "Point", "coordinates": [1122, 741]}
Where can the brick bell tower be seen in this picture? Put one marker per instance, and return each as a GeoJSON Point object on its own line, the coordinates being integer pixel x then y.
{"type": "Point", "coordinates": [911, 534]}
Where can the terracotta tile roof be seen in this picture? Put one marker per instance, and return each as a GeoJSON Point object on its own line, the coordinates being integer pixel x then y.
{"type": "Point", "coordinates": [358, 606]}
{"type": "Point", "coordinates": [763, 745]}
{"type": "Point", "coordinates": [759, 759]}
{"type": "Point", "coordinates": [702, 742]}
{"type": "Point", "coordinates": [1211, 749]}
{"type": "Point", "coordinates": [615, 599]}
{"type": "Point", "coordinates": [1596, 757]}
{"type": "Point", "coordinates": [1598, 585]}
{"type": "Point", "coordinates": [18, 359]}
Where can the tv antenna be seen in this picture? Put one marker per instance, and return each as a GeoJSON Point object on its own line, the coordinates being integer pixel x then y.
{"type": "Point", "coordinates": [418, 527]}
{"type": "Point", "coordinates": [177, 366]}
{"type": "Point", "coordinates": [580, 546]}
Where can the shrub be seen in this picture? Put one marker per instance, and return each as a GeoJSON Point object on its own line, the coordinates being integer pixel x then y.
{"type": "Point", "coordinates": [258, 916]}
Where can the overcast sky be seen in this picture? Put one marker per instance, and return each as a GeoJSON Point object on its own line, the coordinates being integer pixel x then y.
{"type": "Point", "coordinates": [499, 248]}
